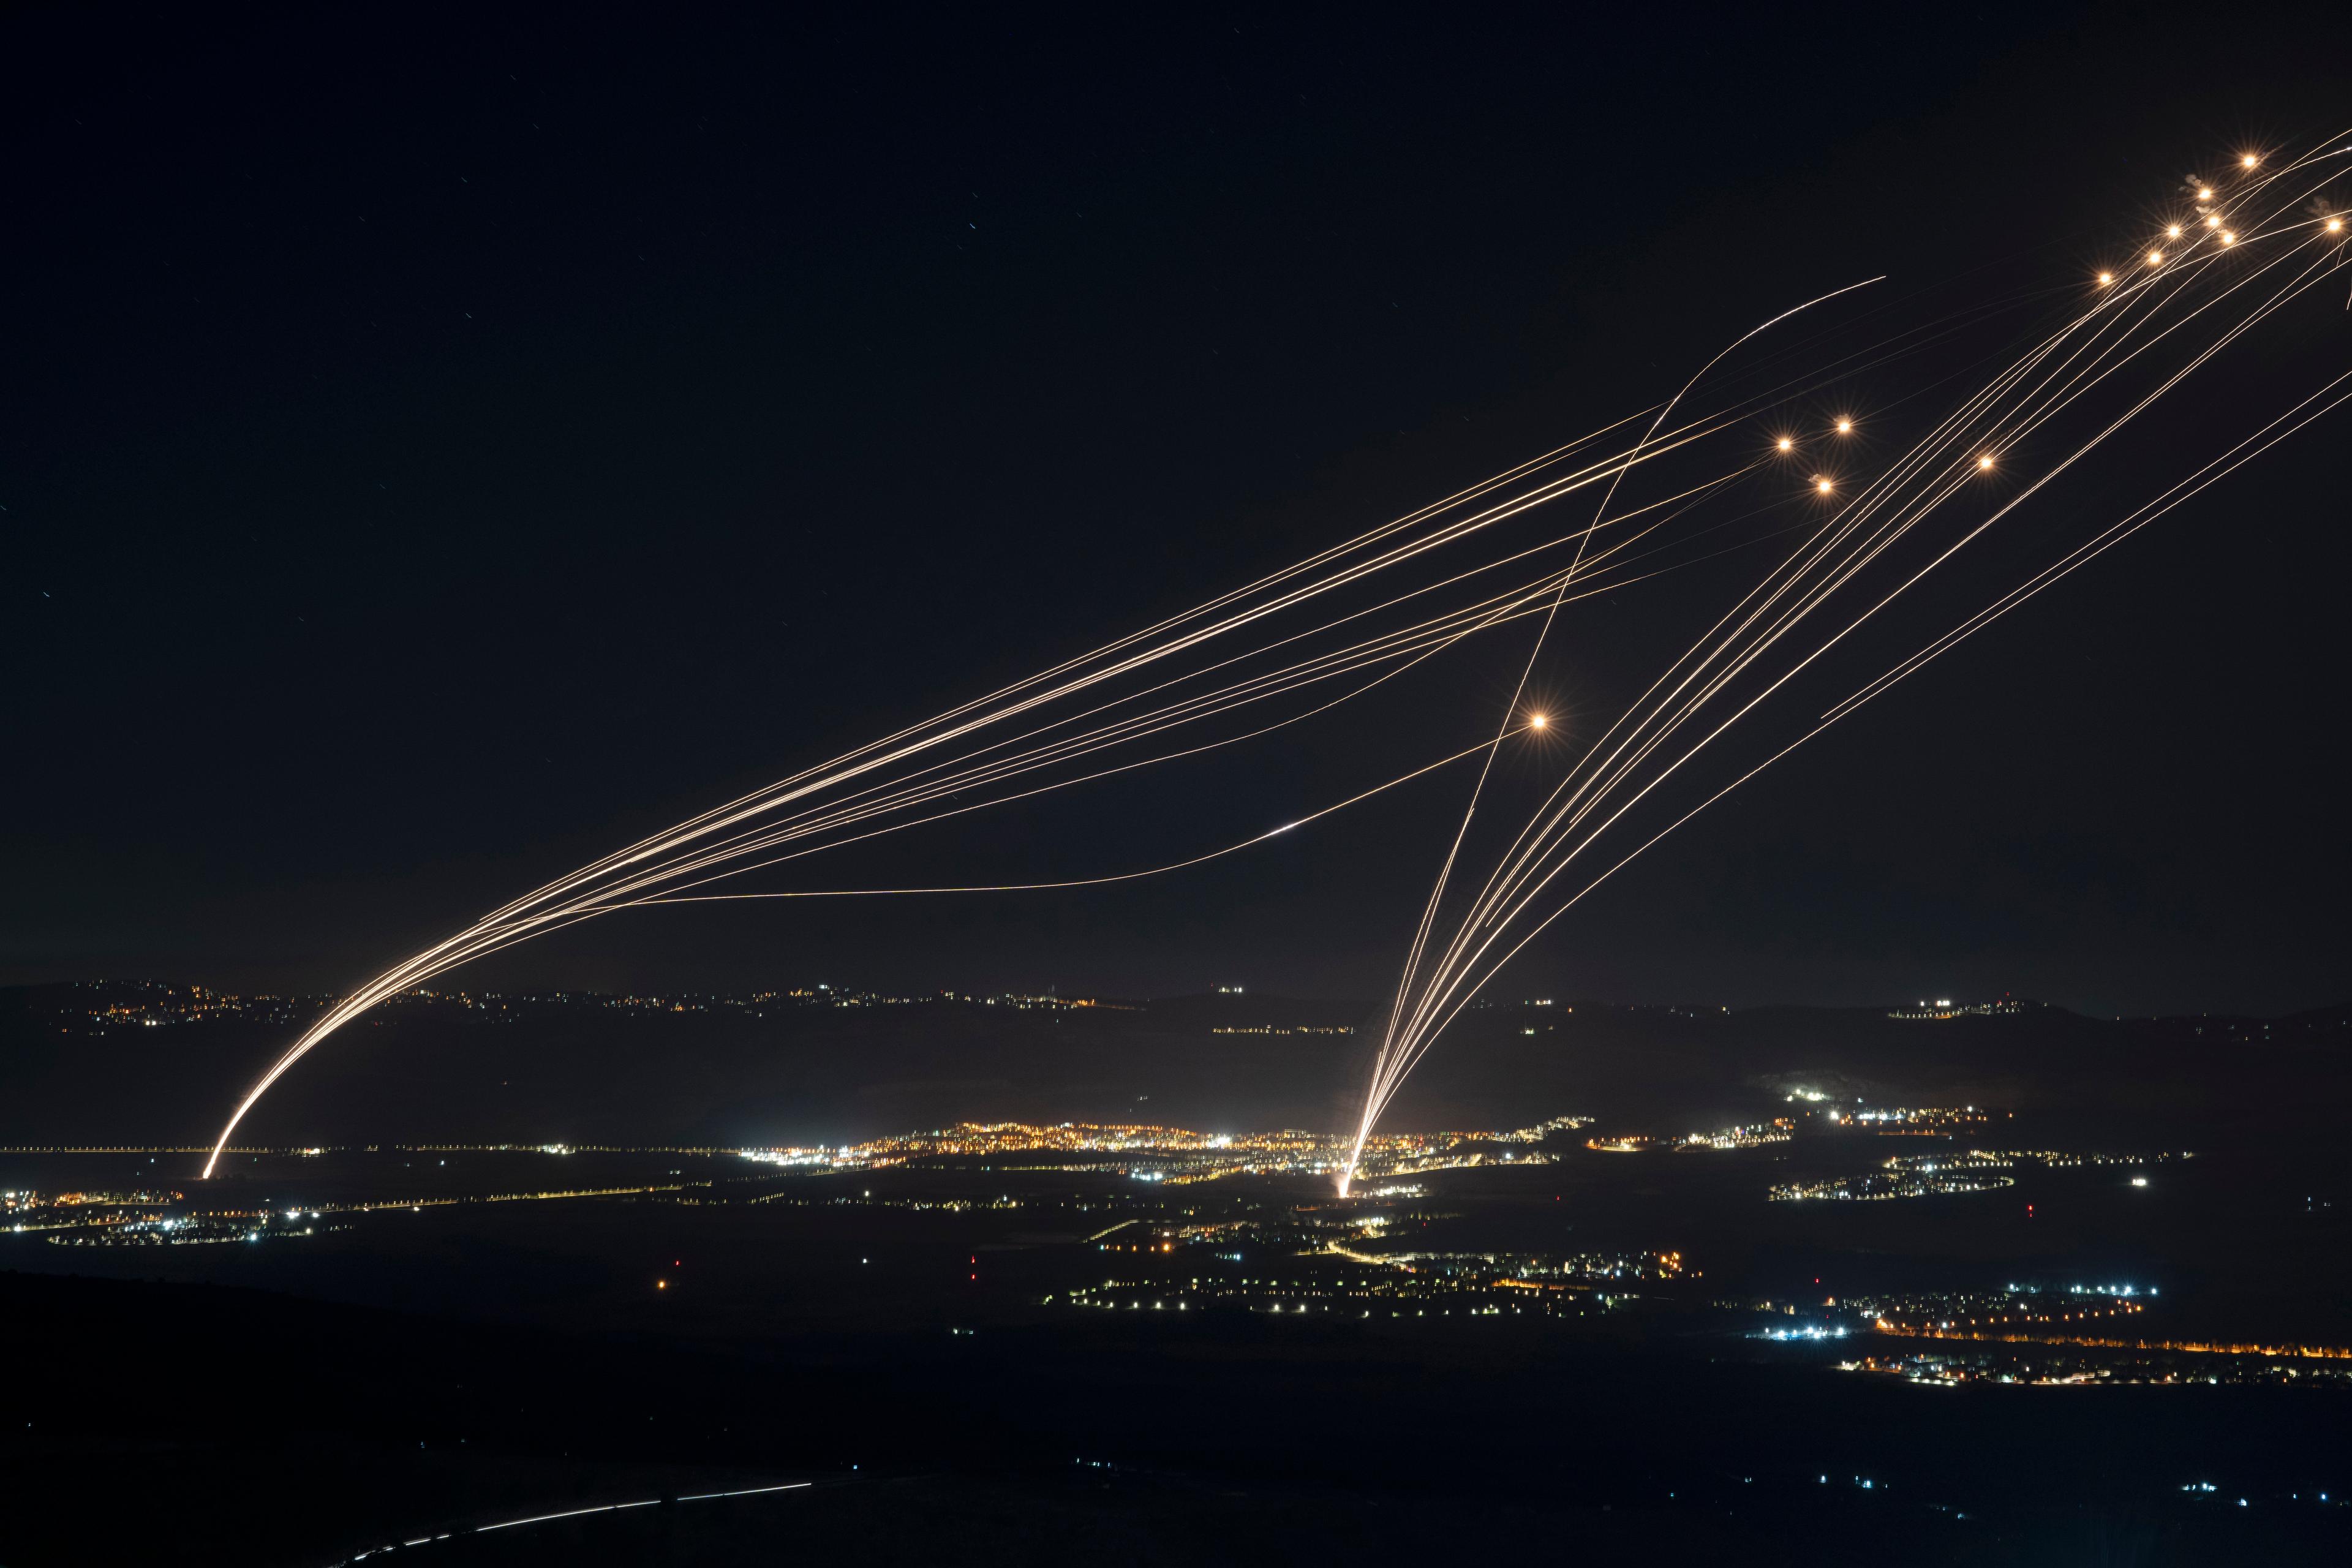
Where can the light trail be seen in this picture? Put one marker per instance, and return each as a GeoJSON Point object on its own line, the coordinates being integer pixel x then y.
{"type": "Point", "coordinates": [1518, 692]}
{"type": "Point", "coordinates": [1486, 746]}
{"type": "Point", "coordinates": [1351, 621]}
{"type": "Point", "coordinates": [569, 1513]}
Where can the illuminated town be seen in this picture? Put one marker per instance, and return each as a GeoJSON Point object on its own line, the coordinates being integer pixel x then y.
{"type": "Point", "coordinates": [1176, 1156]}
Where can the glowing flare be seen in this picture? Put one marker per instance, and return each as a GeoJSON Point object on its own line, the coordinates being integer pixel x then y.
{"type": "Point", "coordinates": [1985, 461]}
{"type": "Point", "coordinates": [1822, 485]}
{"type": "Point", "coordinates": [2173, 232]}
{"type": "Point", "coordinates": [1845, 426]}
{"type": "Point", "coordinates": [1536, 720]}
{"type": "Point", "coordinates": [1785, 443]}
{"type": "Point", "coordinates": [2107, 278]}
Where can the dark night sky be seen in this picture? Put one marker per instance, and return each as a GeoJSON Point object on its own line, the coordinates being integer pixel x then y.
{"type": "Point", "coordinates": [435, 452]}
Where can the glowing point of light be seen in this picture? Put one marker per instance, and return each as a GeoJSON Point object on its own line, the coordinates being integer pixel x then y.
{"type": "Point", "coordinates": [2173, 232]}
{"type": "Point", "coordinates": [1822, 485]}
{"type": "Point", "coordinates": [2249, 161]}
{"type": "Point", "coordinates": [2335, 224]}
{"type": "Point", "coordinates": [1785, 443]}
{"type": "Point", "coordinates": [1536, 720]}
{"type": "Point", "coordinates": [2155, 258]}
{"type": "Point", "coordinates": [1845, 426]}
{"type": "Point", "coordinates": [2229, 238]}
{"type": "Point", "coordinates": [2107, 278]}
{"type": "Point", "coordinates": [1985, 461]}
{"type": "Point", "coordinates": [2204, 196]}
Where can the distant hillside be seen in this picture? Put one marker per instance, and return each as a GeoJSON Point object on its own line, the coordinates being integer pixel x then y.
{"type": "Point", "coordinates": [141, 1064]}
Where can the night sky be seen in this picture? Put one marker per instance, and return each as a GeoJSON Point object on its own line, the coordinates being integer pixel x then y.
{"type": "Point", "coordinates": [437, 452]}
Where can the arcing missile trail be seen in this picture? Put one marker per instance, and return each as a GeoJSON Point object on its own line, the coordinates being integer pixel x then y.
{"type": "Point", "coordinates": [1483, 746]}
{"type": "Point", "coordinates": [1326, 633]}
{"type": "Point", "coordinates": [1526, 669]}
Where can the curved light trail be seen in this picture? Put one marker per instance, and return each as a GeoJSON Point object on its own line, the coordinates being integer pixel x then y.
{"type": "Point", "coordinates": [571, 1513]}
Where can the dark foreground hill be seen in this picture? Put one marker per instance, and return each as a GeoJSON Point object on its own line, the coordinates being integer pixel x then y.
{"type": "Point", "coordinates": [1227, 1440]}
